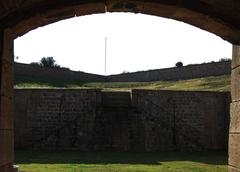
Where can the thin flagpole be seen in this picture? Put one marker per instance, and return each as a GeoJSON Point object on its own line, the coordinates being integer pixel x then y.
{"type": "Point", "coordinates": [105, 56]}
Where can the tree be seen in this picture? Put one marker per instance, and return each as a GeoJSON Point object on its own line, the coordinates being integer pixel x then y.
{"type": "Point", "coordinates": [224, 59]}
{"type": "Point", "coordinates": [48, 62]}
{"type": "Point", "coordinates": [179, 64]}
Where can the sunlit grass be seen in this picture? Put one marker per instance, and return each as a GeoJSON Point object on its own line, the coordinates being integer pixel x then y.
{"type": "Point", "coordinates": [121, 162]}
{"type": "Point", "coordinates": [218, 83]}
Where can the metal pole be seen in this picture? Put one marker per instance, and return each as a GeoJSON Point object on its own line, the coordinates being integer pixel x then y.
{"type": "Point", "coordinates": [105, 56]}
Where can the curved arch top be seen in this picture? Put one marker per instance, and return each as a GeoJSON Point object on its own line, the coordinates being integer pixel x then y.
{"type": "Point", "coordinates": [216, 16]}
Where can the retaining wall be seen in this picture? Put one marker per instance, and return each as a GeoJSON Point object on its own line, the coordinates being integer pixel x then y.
{"type": "Point", "coordinates": [180, 120]}
{"type": "Point", "coordinates": [144, 120]}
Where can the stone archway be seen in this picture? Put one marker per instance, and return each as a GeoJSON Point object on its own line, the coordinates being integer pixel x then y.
{"type": "Point", "coordinates": [17, 17]}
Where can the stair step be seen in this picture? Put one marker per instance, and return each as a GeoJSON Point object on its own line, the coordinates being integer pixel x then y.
{"type": "Point", "coordinates": [116, 99]}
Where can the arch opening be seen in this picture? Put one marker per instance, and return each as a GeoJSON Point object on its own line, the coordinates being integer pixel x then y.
{"type": "Point", "coordinates": [18, 17]}
{"type": "Point", "coordinates": [135, 42]}
{"type": "Point", "coordinates": [197, 14]}
{"type": "Point", "coordinates": [173, 105]}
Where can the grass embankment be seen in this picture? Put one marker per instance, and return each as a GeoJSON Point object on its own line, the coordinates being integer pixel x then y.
{"type": "Point", "coordinates": [121, 162]}
{"type": "Point", "coordinates": [218, 83]}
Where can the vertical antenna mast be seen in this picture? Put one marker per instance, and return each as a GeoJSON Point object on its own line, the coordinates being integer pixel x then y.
{"type": "Point", "coordinates": [105, 56]}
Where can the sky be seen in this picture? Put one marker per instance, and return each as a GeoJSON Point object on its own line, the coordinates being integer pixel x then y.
{"type": "Point", "coordinates": [135, 42]}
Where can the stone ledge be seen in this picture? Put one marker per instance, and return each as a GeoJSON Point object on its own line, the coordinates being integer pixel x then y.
{"type": "Point", "coordinates": [235, 82]}
{"type": "Point", "coordinates": [233, 169]}
{"type": "Point", "coordinates": [234, 147]}
{"type": "Point", "coordinates": [235, 118]}
{"type": "Point", "coordinates": [235, 56]}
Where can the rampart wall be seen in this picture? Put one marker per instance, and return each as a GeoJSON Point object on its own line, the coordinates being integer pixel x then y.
{"type": "Point", "coordinates": [54, 74]}
{"type": "Point", "coordinates": [175, 73]}
{"type": "Point", "coordinates": [167, 74]}
{"type": "Point", "coordinates": [144, 120]}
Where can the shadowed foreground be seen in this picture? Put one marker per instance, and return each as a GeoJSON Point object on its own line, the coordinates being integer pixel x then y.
{"type": "Point", "coordinates": [74, 161]}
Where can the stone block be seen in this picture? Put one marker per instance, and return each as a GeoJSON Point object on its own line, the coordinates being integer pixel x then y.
{"type": "Point", "coordinates": [7, 64]}
{"type": "Point", "coordinates": [7, 79]}
{"type": "Point", "coordinates": [154, 9]}
{"type": "Point", "coordinates": [234, 150]}
{"type": "Point", "coordinates": [134, 6]}
{"type": "Point", "coordinates": [58, 14]}
{"type": "Point", "coordinates": [235, 118]}
{"type": "Point", "coordinates": [6, 147]}
{"type": "Point", "coordinates": [235, 56]}
{"type": "Point", "coordinates": [235, 82]}
{"type": "Point", "coordinates": [233, 169]}
{"type": "Point", "coordinates": [6, 167]}
{"type": "Point", "coordinates": [27, 25]}
{"type": "Point", "coordinates": [8, 46]}
{"type": "Point", "coordinates": [6, 113]}
{"type": "Point", "coordinates": [87, 9]}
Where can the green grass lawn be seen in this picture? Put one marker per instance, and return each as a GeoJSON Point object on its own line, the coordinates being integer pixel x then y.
{"type": "Point", "coordinates": [74, 161]}
{"type": "Point", "coordinates": [218, 83]}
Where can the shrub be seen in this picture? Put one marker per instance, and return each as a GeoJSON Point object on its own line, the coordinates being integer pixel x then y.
{"type": "Point", "coordinates": [179, 64]}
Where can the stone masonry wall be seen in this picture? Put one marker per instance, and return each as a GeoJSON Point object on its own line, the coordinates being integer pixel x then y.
{"type": "Point", "coordinates": [178, 120]}
{"type": "Point", "coordinates": [51, 119]}
{"type": "Point", "coordinates": [144, 121]}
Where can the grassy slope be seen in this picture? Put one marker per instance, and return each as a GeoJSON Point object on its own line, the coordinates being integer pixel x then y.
{"type": "Point", "coordinates": [219, 83]}
{"type": "Point", "coordinates": [73, 161]}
